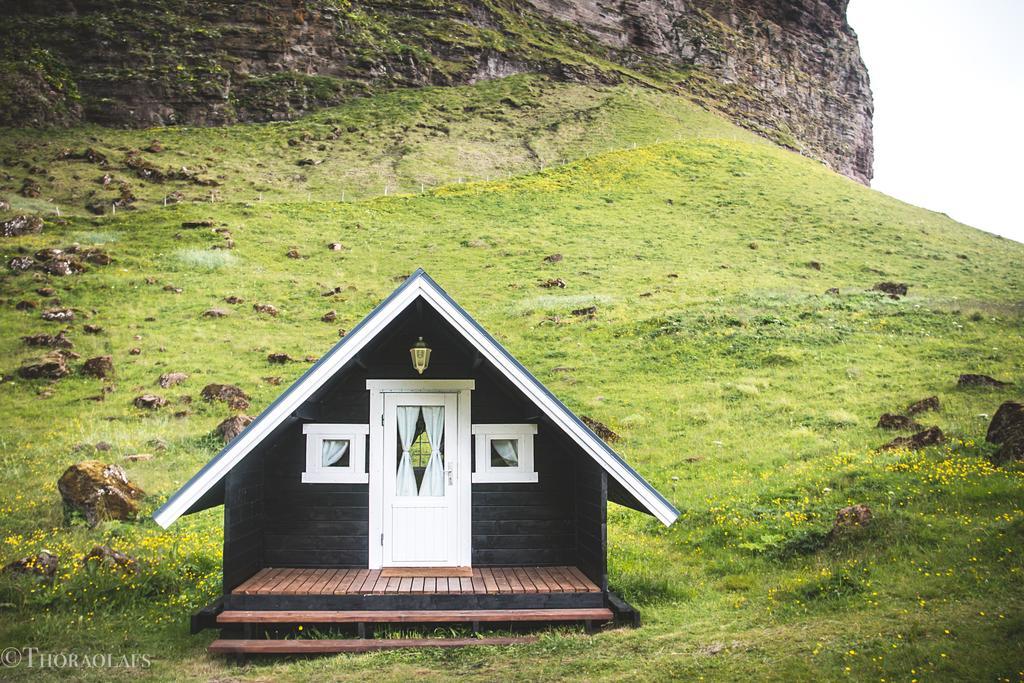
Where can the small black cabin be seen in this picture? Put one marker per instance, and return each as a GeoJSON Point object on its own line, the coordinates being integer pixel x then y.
{"type": "Point", "coordinates": [416, 467]}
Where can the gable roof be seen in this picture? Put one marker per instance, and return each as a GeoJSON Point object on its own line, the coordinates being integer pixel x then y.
{"type": "Point", "coordinates": [419, 285]}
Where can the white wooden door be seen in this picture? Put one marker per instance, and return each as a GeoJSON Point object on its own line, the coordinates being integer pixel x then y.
{"type": "Point", "coordinates": [420, 520]}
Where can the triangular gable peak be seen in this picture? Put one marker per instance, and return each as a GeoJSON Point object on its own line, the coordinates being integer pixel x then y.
{"type": "Point", "coordinates": [419, 286]}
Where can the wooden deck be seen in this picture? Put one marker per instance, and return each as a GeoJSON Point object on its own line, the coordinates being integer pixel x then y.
{"type": "Point", "coordinates": [482, 581]}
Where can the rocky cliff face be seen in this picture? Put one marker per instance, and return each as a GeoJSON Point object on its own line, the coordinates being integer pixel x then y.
{"type": "Point", "coordinates": [791, 66]}
{"type": "Point", "coordinates": [789, 69]}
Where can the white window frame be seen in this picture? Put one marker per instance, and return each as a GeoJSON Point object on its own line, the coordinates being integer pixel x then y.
{"type": "Point", "coordinates": [523, 473]}
{"type": "Point", "coordinates": [316, 473]}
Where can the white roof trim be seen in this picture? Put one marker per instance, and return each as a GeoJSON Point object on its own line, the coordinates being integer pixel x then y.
{"type": "Point", "coordinates": [418, 285]}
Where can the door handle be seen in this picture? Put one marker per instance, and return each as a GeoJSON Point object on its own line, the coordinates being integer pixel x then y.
{"type": "Point", "coordinates": [450, 478]}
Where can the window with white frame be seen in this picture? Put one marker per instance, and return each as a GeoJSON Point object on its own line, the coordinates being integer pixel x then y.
{"type": "Point", "coordinates": [335, 453]}
{"type": "Point", "coordinates": [504, 453]}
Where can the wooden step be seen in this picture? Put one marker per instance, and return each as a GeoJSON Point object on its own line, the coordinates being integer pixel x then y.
{"type": "Point", "coordinates": [354, 645]}
{"type": "Point", "coordinates": [410, 616]}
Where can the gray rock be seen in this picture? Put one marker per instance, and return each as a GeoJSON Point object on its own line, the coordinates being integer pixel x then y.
{"type": "Point", "coordinates": [170, 379]}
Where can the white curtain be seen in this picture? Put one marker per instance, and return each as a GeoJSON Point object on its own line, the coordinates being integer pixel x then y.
{"type": "Point", "coordinates": [506, 450]}
{"type": "Point", "coordinates": [433, 478]}
{"type": "Point", "coordinates": [334, 450]}
{"type": "Point", "coordinates": [405, 485]}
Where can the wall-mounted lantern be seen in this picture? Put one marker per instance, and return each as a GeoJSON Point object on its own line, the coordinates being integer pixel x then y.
{"type": "Point", "coordinates": [420, 353]}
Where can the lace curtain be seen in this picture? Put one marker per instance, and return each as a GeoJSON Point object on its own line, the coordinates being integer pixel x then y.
{"type": "Point", "coordinates": [405, 485]}
{"type": "Point", "coordinates": [433, 477]}
{"type": "Point", "coordinates": [506, 450]}
{"type": "Point", "coordinates": [333, 451]}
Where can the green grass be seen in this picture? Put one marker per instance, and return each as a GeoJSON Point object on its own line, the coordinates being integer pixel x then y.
{"type": "Point", "coordinates": [742, 391]}
{"type": "Point", "coordinates": [401, 142]}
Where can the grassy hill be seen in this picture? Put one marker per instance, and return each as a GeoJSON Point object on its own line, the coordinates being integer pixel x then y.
{"type": "Point", "coordinates": [741, 388]}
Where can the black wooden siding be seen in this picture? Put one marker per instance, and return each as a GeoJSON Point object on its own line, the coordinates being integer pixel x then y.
{"type": "Point", "coordinates": [591, 520]}
{"type": "Point", "coordinates": [312, 525]}
{"type": "Point", "coordinates": [243, 522]}
{"type": "Point", "coordinates": [527, 524]}
{"type": "Point", "coordinates": [557, 521]}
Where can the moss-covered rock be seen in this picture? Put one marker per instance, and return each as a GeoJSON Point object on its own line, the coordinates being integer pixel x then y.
{"type": "Point", "coordinates": [99, 491]}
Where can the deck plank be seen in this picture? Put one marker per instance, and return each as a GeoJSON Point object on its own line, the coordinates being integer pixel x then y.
{"type": "Point", "coordinates": [563, 581]}
{"type": "Point", "coordinates": [318, 585]}
{"type": "Point", "coordinates": [545, 575]}
{"type": "Point", "coordinates": [349, 580]}
{"type": "Point", "coordinates": [524, 579]}
{"type": "Point", "coordinates": [339, 576]}
{"type": "Point", "coordinates": [499, 578]}
{"type": "Point", "coordinates": [538, 582]}
{"type": "Point", "coordinates": [567, 583]}
{"type": "Point", "coordinates": [563, 585]}
{"type": "Point", "coordinates": [369, 581]}
{"type": "Point", "coordinates": [280, 578]}
{"type": "Point", "coordinates": [305, 586]}
{"type": "Point", "coordinates": [253, 583]}
{"type": "Point", "coordinates": [588, 585]}
{"type": "Point", "coordinates": [293, 580]}
{"type": "Point", "coordinates": [490, 586]}
{"type": "Point", "coordinates": [429, 584]}
{"type": "Point", "coordinates": [570, 575]}
{"type": "Point", "coordinates": [513, 581]}
{"type": "Point", "coordinates": [354, 645]}
{"type": "Point", "coordinates": [580, 583]}
{"type": "Point", "coordinates": [284, 578]}
{"type": "Point", "coordinates": [262, 578]}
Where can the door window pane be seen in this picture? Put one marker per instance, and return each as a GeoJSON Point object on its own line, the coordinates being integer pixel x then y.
{"type": "Point", "coordinates": [420, 468]}
{"type": "Point", "coordinates": [419, 455]}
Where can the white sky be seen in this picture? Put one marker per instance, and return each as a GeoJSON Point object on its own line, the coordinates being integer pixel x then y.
{"type": "Point", "coordinates": [948, 80]}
